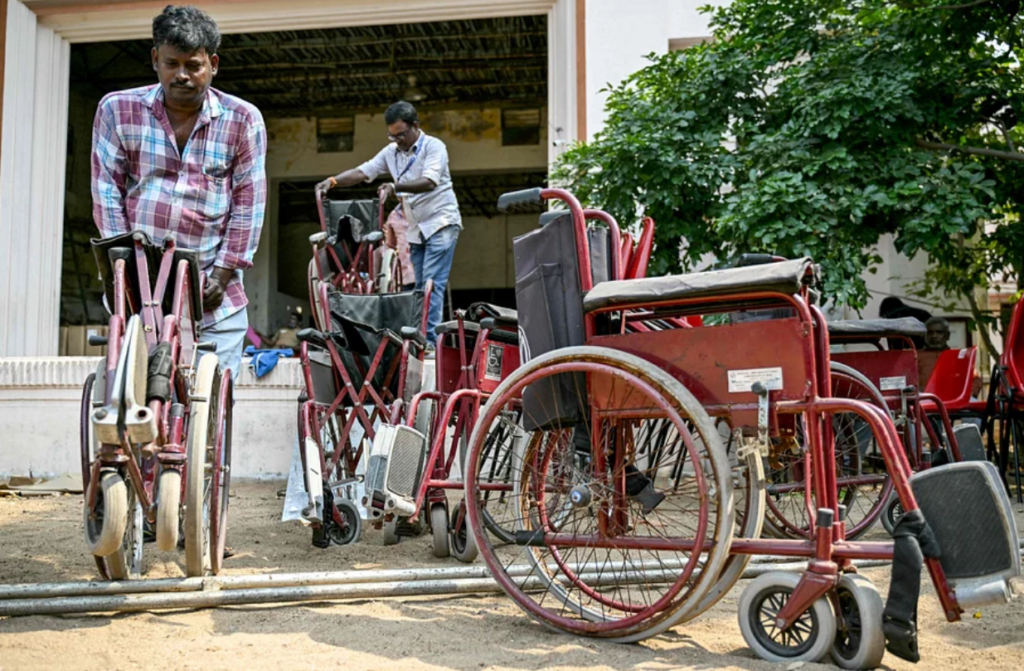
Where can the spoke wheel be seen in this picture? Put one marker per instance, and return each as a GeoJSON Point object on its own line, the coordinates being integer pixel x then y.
{"type": "Point", "coordinates": [202, 437]}
{"type": "Point", "coordinates": [220, 496]}
{"type": "Point", "coordinates": [621, 471]}
{"type": "Point", "coordinates": [863, 482]}
{"type": "Point", "coordinates": [352, 527]}
{"type": "Point", "coordinates": [808, 639]}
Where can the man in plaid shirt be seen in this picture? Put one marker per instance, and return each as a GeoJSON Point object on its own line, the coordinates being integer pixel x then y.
{"type": "Point", "coordinates": [180, 157]}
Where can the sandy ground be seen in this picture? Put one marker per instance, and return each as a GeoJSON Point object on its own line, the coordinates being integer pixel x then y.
{"type": "Point", "coordinates": [41, 540]}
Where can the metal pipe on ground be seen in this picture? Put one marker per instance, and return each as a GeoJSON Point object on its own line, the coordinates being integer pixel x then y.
{"type": "Point", "coordinates": [131, 603]}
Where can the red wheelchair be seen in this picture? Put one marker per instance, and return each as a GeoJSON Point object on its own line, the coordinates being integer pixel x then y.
{"type": "Point", "coordinates": [627, 513]}
{"type": "Point", "coordinates": [156, 415]}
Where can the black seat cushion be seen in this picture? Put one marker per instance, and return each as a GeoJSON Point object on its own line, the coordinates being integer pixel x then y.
{"type": "Point", "coordinates": [785, 277]}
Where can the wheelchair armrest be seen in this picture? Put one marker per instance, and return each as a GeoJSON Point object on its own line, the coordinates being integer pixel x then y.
{"type": "Point", "coordinates": [312, 336]}
{"type": "Point", "coordinates": [412, 333]}
{"type": "Point", "coordinates": [373, 237]}
{"type": "Point", "coordinates": [498, 335]}
{"type": "Point", "coordinates": [318, 238]}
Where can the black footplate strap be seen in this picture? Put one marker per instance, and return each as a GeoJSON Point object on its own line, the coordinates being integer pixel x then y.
{"type": "Point", "coordinates": [914, 541]}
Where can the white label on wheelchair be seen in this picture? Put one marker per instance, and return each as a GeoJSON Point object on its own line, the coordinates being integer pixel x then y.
{"type": "Point", "coordinates": [495, 354]}
{"type": "Point", "coordinates": [892, 383]}
{"type": "Point", "coordinates": [740, 381]}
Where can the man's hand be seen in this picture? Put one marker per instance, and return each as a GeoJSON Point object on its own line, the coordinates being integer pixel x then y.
{"type": "Point", "coordinates": [325, 186]}
{"type": "Point", "coordinates": [385, 192]}
{"type": "Point", "coordinates": [216, 283]}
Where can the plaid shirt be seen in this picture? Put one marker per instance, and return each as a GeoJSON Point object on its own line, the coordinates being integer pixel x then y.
{"type": "Point", "coordinates": [211, 196]}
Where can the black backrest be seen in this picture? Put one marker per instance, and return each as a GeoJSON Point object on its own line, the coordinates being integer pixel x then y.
{"type": "Point", "coordinates": [350, 220]}
{"type": "Point", "coordinates": [550, 309]}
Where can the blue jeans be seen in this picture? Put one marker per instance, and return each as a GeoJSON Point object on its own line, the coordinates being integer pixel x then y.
{"type": "Point", "coordinates": [229, 334]}
{"type": "Point", "coordinates": [432, 260]}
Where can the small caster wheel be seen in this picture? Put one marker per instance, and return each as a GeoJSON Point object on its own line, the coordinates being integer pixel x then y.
{"type": "Point", "coordinates": [891, 513]}
{"type": "Point", "coordinates": [352, 528]}
{"type": "Point", "coordinates": [463, 544]}
{"type": "Point", "coordinates": [439, 529]}
{"type": "Point", "coordinates": [860, 641]}
{"type": "Point", "coordinates": [807, 640]}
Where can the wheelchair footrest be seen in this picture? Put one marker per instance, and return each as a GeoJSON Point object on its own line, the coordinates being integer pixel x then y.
{"type": "Point", "coordinates": [966, 506]}
{"type": "Point", "coordinates": [395, 469]}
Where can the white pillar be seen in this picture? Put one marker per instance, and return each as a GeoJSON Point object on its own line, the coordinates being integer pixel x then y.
{"type": "Point", "coordinates": [32, 184]}
{"type": "Point", "coordinates": [561, 77]}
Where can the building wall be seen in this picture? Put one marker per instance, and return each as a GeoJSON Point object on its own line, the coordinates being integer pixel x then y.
{"type": "Point", "coordinates": [620, 36]}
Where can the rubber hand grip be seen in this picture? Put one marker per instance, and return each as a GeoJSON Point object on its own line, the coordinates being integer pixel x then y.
{"type": "Point", "coordinates": [519, 201]}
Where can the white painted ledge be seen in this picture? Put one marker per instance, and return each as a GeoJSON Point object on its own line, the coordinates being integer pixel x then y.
{"type": "Point", "coordinates": [40, 403]}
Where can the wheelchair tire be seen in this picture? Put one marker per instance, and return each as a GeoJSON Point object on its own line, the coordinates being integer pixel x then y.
{"type": "Point", "coordinates": [198, 480]}
{"type": "Point", "coordinates": [439, 529]}
{"type": "Point", "coordinates": [673, 469]}
{"type": "Point", "coordinates": [860, 641]}
{"type": "Point", "coordinates": [808, 640]}
{"type": "Point", "coordinates": [463, 544]}
{"type": "Point", "coordinates": [105, 527]}
{"type": "Point", "coordinates": [168, 510]}
{"type": "Point", "coordinates": [221, 477]}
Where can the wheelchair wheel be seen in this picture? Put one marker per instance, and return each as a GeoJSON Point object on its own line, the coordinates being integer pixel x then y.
{"type": "Point", "coordinates": [202, 437]}
{"type": "Point", "coordinates": [807, 640]}
{"type": "Point", "coordinates": [219, 497]}
{"type": "Point", "coordinates": [863, 482]}
{"type": "Point", "coordinates": [892, 513]}
{"type": "Point", "coordinates": [439, 529]}
{"type": "Point", "coordinates": [860, 641]}
{"type": "Point", "coordinates": [168, 509]}
{"type": "Point", "coordinates": [126, 562]}
{"type": "Point", "coordinates": [749, 491]}
{"type": "Point", "coordinates": [92, 389]}
{"type": "Point", "coordinates": [463, 546]}
{"type": "Point", "coordinates": [494, 477]}
{"type": "Point", "coordinates": [612, 491]}
{"type": "Point", "coordinates": [106, 522]}
{"type": "Point", "coordinates": [352, 529]}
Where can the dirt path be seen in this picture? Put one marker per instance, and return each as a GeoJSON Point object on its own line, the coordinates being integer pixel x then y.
{"type": "Point", "coordinates": [41, 541]}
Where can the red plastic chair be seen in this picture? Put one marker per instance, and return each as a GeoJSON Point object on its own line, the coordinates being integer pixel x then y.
{"type": "Point", "coordinates": [951, 381]}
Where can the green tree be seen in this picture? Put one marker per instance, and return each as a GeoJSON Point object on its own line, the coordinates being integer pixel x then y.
{"type": "Point", "coordinates": [814, 127]}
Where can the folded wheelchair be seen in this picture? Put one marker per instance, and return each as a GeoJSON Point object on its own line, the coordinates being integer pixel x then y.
{"type": "Point", "coordinates": [156, 415]}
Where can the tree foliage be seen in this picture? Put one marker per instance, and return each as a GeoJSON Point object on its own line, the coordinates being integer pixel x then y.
{"type": "Point", "coordinates": [814, 127]}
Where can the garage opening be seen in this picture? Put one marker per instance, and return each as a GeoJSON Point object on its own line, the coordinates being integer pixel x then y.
{"type": "Point", "coordinates": [479, 85]}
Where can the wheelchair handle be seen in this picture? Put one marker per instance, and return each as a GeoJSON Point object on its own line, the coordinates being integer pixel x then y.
{"type": "Point", "coordinates": [318, 238]}
{"type": "Point", "coordinates": [519, 201]}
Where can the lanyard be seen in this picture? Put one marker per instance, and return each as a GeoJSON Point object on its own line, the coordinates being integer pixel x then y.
{"type": "Point", "coordinates": [408, 165]}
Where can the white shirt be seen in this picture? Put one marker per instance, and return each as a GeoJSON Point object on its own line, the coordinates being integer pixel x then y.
{"type": "Point", "coordinates": [427, 212]}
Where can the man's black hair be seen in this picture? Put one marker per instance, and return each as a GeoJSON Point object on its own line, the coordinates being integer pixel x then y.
{"type": "Point", "coordinates": [186, 28]}
{"type": "Point", "coordinates": [401, 111]}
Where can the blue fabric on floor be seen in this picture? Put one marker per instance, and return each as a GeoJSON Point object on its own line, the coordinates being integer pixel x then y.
{"type": "Point", "coordinates": [264, 360]}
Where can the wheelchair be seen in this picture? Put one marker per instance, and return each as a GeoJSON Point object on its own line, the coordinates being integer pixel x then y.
{"type": "Point", "coordinates": [629, 513]}
{"type": "Point", "coordinates": [156, 415]}
{"type": "Point", "coordinates": [359, 372]}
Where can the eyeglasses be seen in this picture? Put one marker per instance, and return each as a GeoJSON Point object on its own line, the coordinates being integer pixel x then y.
{"type": "Point", "coordinates": [400, 136]}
